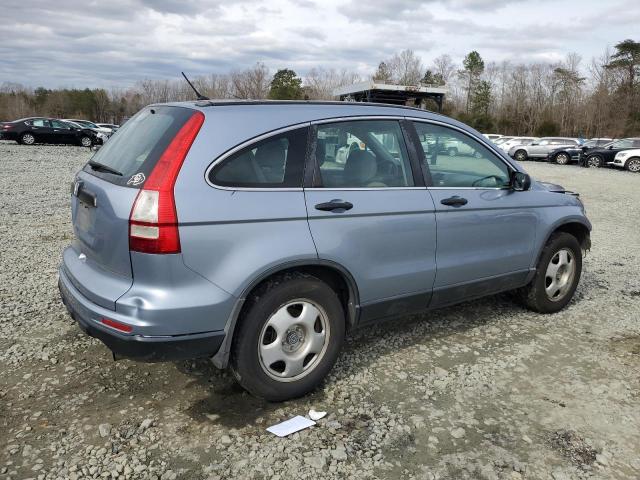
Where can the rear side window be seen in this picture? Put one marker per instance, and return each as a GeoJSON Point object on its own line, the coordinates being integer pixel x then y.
{"type": "Point", "coordinates": [137, 146]}
{"type": "Point", "coordinates": [275, 162]}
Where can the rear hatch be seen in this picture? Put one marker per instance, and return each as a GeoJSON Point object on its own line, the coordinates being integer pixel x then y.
{"type": "Point", "coordinates": [99, 263]}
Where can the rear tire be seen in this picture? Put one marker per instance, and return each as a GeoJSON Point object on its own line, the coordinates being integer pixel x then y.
{"type": "Point", "coordinates": [557, 275]}
{"type": "Point", "coordinates": [562, 158]}
{"type": "Point", "coordinates": [633, 164]}
{"type": "Point", "coordinates": [27, 139]}
{"type": "Point", "coordinates": [521, 155]}
{"type": "Point", "coordinates": [289, 337]}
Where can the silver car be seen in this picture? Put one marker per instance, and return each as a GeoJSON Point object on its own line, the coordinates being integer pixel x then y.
{"type": "Point", "coordinates": [541, 147]}
{"type": "Point", "coordinates": [229, 230]}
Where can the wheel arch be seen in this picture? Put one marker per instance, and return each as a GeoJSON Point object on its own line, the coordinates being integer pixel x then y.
{"type": "Point", "coordinates": [577, 227]}
{"type": "Point", "coordinates": [334, 274]}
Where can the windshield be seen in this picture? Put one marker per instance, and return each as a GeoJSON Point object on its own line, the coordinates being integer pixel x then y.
{"type": "Point", "coordinates": [136, 147]}
{"type": "Point", "coordinates": [623, 143]}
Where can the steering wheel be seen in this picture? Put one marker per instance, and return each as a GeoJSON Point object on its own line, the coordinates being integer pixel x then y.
{"type": "Point", "coordinates": [496, 177]}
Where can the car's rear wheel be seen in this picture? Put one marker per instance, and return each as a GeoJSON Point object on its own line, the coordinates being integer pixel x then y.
{"type": "Point", "coordinates": [562, 158]}
{"type": "Point", "coordinates": [452, 151]}
{"type": "Point", "coordinates": [557, 275]}
{"type": "Point", "coordinates": [27, 139]}
{"type": "Point", "coordinates": [633, 165]}
{"type": "Point", "coordinates": [520, 155]}
{"type": "Point", "coordinates": [288, 338]}
{"type": "Point", "coordinates": [595, 161]}
{"type": "Point", "coordinates": [86, 141]}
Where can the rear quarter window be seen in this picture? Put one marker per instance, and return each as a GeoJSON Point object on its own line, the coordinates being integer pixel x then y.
{"type": "Point", "coordinates": [137, 146]}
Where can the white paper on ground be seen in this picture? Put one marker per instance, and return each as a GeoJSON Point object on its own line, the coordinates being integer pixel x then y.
{"type": "Point", "coordinates": [315, 415]}
{"type": "Point", "coordinates": [290, 426]}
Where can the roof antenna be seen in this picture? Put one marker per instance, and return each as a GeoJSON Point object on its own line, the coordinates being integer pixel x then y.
{"type": "Point", "coordinates": [199, 96]}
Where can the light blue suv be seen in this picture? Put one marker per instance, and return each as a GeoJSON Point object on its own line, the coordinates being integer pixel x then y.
{"type": "Point", "coordinates": [259, 233]}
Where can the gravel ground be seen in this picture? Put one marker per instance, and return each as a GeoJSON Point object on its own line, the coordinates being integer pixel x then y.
{"type": "Point", "coordinates": [482, 390]}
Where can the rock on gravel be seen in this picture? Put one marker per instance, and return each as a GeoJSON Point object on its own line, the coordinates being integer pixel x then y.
{"type": "Point", "coordinates": [481, 390]}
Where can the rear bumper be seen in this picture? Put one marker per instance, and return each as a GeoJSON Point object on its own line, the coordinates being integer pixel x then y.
{"type": "Point", "coordinates": [136, 347]}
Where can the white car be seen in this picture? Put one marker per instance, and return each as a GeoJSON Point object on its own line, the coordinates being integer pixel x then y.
{"type": "Point", "coordinates": [629, 159]}
{"type": "Point", "coordinates": [492, 136]}
{"type": "Point", "coordinates": [91, 125]}
{"type": "Point", "coordinates": [516, 141]}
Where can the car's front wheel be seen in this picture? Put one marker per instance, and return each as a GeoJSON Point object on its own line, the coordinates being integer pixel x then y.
{"type": "Point", "coordinates": [633, 164]}
{"type": "Point", "coordinates": [86, 141]}
{"type": "Point", "coordinates": [595, 161]}
{"type": "Point", "coordinates": [452, 151]}
{"type": "Point", "coordinates": [289, 337]}
{"type": "Point", "coordinates": [557, 275]}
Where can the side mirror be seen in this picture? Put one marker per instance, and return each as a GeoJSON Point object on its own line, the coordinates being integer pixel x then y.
{"type": "Point", "coordinates": [520, 181]}
{"type": "Point", "coordinates": [534, 143]}
{"type": "Point", "coordinates": [610, 147]}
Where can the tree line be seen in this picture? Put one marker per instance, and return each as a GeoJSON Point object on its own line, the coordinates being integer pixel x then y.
{"type": "Point", "coordinates": [570, 97]}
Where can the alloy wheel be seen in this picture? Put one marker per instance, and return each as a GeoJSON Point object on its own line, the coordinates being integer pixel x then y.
{"type": "Point", "coordinates": [562, 159]}
{"type": "Point", "coordinates": [634, 165]}
{"type": "Point", "coordinates": [293, 340]}
{"type": "Point", "coordinates": [28, 139]}
{"type": "Point", "coordinates": [85, 141]}
{"type": "Point", "coordinates": [559, 275]}
{"type": "Point", "coordinates": [594, 161]}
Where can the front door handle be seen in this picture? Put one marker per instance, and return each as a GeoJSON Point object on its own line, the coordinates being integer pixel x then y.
{"type": "Point", "coordinates": [454, 201]}
{"type": "Point", "coordinates": [335, 205]}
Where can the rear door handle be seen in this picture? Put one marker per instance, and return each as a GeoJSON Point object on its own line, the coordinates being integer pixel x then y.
{"type": "Point", "coordinates": [335, 205]}
{"type": "Point", "coordinates": [454, 201]}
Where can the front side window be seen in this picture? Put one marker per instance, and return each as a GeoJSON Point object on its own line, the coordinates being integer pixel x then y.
{"type": "Point", "coordinates": [275, 162]}
{"type": "Point", "coordinates": [457, 160]}
{"type": "Point", "coordinates": [59, 125]}
{"type": "Point", "coordinates": [362, 154]}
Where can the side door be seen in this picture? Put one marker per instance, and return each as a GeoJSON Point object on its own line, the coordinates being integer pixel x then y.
{"type": "Point", "coordinates": [62, 132]}
{"type": "Point", "coordinates": [539, 148]}
{"type": "Point", "coordinates": [41, 129]}
{"type": "Point", "coordinates": [486, 231]}
{"type": "Point", "coordinates": [372, 214]}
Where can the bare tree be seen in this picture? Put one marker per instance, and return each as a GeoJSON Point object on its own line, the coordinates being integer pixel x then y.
{"type": "Point", "coordinates": [252, 83]}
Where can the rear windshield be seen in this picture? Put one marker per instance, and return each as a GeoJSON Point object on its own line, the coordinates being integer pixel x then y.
{"type": "Point", "coordinates": [136, 147]}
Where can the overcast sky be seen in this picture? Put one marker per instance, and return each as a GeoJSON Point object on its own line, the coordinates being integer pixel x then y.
{"type": "Point", "coordinates": [78, 43]}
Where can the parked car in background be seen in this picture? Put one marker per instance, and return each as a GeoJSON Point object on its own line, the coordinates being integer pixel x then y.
{"type": "Point", "coordinates": [539, 149]}
{"type": "Point", "coordinates": [629, 159]}
{"type": "Point", "coordinates": [269, 281]}
{"type": "Point", "coordinates": [28, 131]}
{"type": "Point", "coordinates": [91, 125]}
{"type": "Point", "coordinates": [501, 140]}
{"type": "Point", "coordinates": [601, 156]}
{"type": "Point", "coordinates": [493, 136]}
{"type": "Point", "coordinates": [570, 153]}
{"type": "Point", "coordinates": [101, 136]}
{"type": "Point", "coordinates": [112, 126]}
{"type": "Point", "coordinates": [516, 141]}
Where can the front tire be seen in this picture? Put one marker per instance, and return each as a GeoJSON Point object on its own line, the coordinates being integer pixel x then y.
{"type": "Point", "coordinates": [595, 161]}
{"type": "Point", "coordinates": [557, 275]}
{"type": "Point", "coordinates": [86, 141]}
{"type": "Point", "coordinates": [289, 337]}
{"type": "Point", "coordinates": [452, 151]}
{"type": "Point", "coordinates": [633, 164]}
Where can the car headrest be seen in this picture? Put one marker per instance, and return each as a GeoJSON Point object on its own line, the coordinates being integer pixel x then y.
{"type": "Point", "coordinates": [271, 154]}
{"type": "Point", "coordinates": [360, 168]}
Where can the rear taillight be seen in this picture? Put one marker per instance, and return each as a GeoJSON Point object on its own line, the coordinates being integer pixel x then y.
{"type": "Point", "coordinates": [153, 223]}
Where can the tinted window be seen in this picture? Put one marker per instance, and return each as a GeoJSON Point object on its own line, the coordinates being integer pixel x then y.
{"type": "Point", "coordinates": [457, 160]}
{"type": "Point", "coordinates": [362, 154]}
{"type": "Point", "coordinates": [38, 122]}
{"type": "Point", "coordinates": [60, 125]}
{"type": "Point", "coordinates": [276, 162]}
{"type": "Point", "coordinates": [624, 143]}
{"type": "Point", "coordinates": [139, 144]}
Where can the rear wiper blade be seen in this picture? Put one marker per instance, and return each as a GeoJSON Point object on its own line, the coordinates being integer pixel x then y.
{"type": "Point", "coordinates": [104, 168]}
